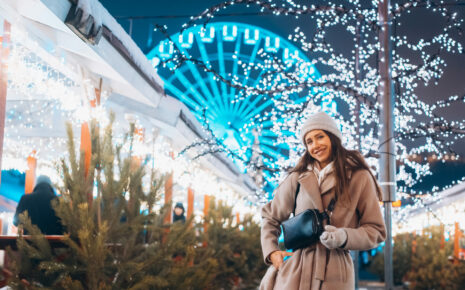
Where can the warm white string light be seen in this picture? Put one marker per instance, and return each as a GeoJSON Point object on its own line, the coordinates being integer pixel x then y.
{"type": "Point", "coordinates": [43, 95]}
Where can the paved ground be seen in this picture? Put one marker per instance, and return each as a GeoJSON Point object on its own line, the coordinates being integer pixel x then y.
{"type": "Point", "coordinates": [370, 285]}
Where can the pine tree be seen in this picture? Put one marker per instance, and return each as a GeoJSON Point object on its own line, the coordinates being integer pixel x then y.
{"type": "Point", "coordinates": [236, 247]}
{"type": "Point", "coordinates": [402, 257]}
{"type": "Point", "coordinates": [113, 241]}
{"type": "Point", "coordinates": [431, 268]}
{"type": "Point", "coordinates": [420, 261]}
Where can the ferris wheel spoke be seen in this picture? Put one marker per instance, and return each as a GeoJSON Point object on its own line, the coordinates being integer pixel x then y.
{"type": "Point", "coordinates": [270, 123]}
{"type": "Point", "coordinates": [261, 107]}
{"type": "Point", "coordinates": [237, 52]}
{"type": "Point", "coordinates": [270, 151]}
{"type": "Point", "coordinates": [252, 105]}
{"type": "Point", "coordinates": [269, 163]}
{"type": "Point", "coordinates": [268, 134]}
{"type": "Point", "coordinates": [246, 102]}
{"type": "Point", "coordinates": [241, 142]}
{"type": "Point", "coordinates": [270, 179]}
{"type": "Point", "coordinates": [273, 143]}
{"type": "Point", "coordinates": [258, 109]}
{"type": "Point", "coordinates": [219, 45]}
{"type": "Point", "coordinates": [213, 84]}
{"type": "Point", "coordinates": [200, 80]}
{"type": "Point", "coordinates": [188, 101]}
{"type": "Point", "coordinates": [238, 107]}
{"type": "Point", "coordinates": [199, 114]}
{"type": "Point", "coordinates": [190, 88]}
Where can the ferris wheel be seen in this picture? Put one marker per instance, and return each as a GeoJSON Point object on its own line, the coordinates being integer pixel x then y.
{"type": "Point", "coordinates": [227, 48]}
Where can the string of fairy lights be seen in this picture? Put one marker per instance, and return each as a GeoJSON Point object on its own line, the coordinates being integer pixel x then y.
{"type": "Point", "coordinates": [44, 94]}
{"type": "Point", "coordinates": [350, 79]}
{"type": "Point", "coordinates": [421, 128]}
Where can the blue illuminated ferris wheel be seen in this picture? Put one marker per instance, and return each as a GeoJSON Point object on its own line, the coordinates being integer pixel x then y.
{"type": "Point", "coordinates": [228, 48]}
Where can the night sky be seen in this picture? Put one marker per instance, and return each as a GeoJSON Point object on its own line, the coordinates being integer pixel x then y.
{"type": "Point", "coordinates": [174, 13]}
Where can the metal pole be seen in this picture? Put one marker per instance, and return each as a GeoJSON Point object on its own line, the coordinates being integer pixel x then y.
{"type": "Point", "coordinates": [388, 268]}
{"type": "Point", "coordinates": [387, 170]}
{"type": "Point", "coordinates": [357, 122]}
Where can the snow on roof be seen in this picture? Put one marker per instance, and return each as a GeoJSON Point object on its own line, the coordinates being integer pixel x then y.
{"type": "Point", "coordinates": [103, 17]}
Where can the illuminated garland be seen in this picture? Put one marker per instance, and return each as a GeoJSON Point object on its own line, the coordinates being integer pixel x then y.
{"type": "Point", "coordinates": [38, 91]}
{"type": "Point", "coordinates": [353, 88]}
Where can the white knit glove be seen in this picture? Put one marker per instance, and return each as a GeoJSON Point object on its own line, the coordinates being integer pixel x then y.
{"type": "Point", "coordinates": [333, 237]}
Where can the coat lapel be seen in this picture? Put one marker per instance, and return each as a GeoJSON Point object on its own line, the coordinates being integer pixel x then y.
{"type": "Point", "coordinates": [309, 183]}
{"type": "Point", "coordinates": [328, 183]}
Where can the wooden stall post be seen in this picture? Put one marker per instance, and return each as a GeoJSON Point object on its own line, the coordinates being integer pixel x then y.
{"type": "Point", "coordinates": [139, 136]}
{"type": "Point", "coordinates": [169, 194]}
{"type": "Point", "coordinates": [168, 200]}
{"type": "Point", "coordinates": [30, 173]}
{"type": "Point", "coordinates": [206, 207]}
{"type": "Point", "coordinates": [86, 149]}
{"type": "Point", "coordinates": [190, 202]}
{"type": "Point", "coordinates": [456, 243]}
{"type": "Point", "coordinates": [443, 237]}
{"type": "Point", "coordinates": [4, 53]}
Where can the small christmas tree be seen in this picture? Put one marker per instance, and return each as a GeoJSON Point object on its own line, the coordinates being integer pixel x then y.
{"type": "Point", "coordinates": [236, 247]}
{"type": "Point", "coordinates": [431, 268]}
{"type": "Point", "coordinates": [113, 241]}
{"type": "Point", "coordinates": [402, 257]}
{"type": "Point", "coordinates": [423, 261]}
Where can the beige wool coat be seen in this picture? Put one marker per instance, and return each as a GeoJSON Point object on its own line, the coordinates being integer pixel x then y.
{"type": "Point", "coordinates": [317, 267]}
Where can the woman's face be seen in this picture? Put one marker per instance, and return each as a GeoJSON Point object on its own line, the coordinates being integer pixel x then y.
{"type": "Point", "coordinates": [319, 146]}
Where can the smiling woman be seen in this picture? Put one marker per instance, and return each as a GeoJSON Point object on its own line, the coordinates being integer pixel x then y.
{"type": "Point", "coordinates": [318, 146]}
{"type": "Point", "coordinates": [326, 172]}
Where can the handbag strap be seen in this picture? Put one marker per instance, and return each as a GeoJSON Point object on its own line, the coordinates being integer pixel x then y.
{"type": "Point", "coordinates": [330, 208]}
{"type": "Point", "coordinates": [295, 200]}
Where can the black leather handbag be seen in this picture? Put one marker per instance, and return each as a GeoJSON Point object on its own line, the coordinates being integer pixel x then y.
{"type": "Point", "coordinates": [304, 229]}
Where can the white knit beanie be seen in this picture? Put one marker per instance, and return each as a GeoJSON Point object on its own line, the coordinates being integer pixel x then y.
{"type": "Point", "coordinates": [320, 121]}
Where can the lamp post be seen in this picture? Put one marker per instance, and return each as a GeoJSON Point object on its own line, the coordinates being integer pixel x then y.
{"type": "Point", "coordinates": [387, 169]}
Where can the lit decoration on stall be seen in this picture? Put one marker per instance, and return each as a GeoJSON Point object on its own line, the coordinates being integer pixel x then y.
{"type": "Point", "coordinates": [422, 128]}
{"type": "Point", "coordinates": [187, 174]}
{"type": "Point", "coordinates": [43, 93]}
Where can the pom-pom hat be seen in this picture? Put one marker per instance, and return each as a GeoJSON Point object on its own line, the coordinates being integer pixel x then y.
{"type": "Point", "coordinates": [320, 121]}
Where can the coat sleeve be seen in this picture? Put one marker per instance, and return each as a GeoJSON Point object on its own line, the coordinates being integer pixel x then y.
{"type": "Point", "coordinates": [371, 230]}
{"type": "Point", "coordinates": [276, 211]}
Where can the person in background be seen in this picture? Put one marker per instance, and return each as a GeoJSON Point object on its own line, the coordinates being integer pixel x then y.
{"type": "Point", "coordinates": [38, 204]}
{"type": "Point", "coordinates": [178, 213]}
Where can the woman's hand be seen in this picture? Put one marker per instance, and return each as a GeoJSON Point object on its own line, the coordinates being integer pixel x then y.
{"type": "Point", "coordinates": [333, 237]}
{"type": "Point", "coordinates": [277, 258]}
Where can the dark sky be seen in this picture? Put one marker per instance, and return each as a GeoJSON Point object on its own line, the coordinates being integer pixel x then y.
{"type": "Point", "coordinates": [174, 13]}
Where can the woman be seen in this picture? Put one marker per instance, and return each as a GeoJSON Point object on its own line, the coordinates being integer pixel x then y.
{"type": "Point", "coordinates": [326, 170]}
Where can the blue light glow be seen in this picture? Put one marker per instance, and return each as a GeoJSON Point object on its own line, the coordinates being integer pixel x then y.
{"type": "Point", "coordinates": [232, 114]}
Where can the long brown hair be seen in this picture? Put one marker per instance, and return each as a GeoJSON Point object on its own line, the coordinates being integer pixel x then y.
{"type": "Point", "coordinates": [344, 161]}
